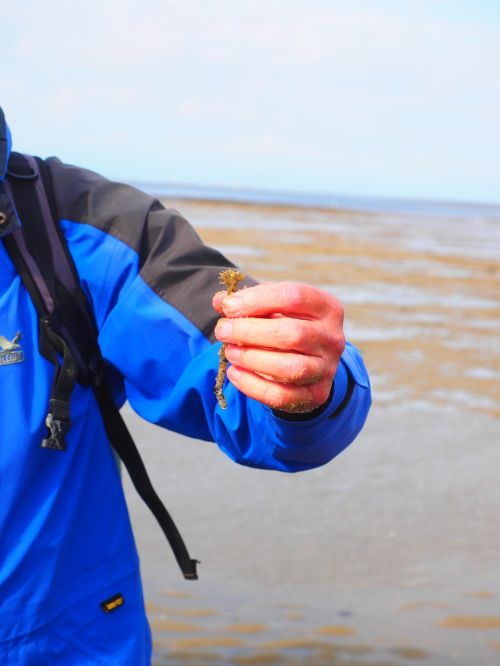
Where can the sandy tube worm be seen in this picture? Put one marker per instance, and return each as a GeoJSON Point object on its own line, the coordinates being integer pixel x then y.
{"type": "Point", "coordinates": [230, 278]}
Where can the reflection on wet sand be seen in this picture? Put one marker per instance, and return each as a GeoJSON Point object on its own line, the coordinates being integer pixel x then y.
{"type": "Point", "coordinates": [336, 630]}
{"type": "Point", "coordinates": [295, 615]}
{"type": "Point", "coordinates": [246, 628]}
{"type": "Point", "coordinates": [414, 605]}
{"type": "Point", "coordinates": [470, 622]}
{"type": "Point", "coordinates": [482, 594]}
{"type": "Point", "coordinates": [215, 644]}
{"type": "Point", "coordinates": [206, 642]}
{"type": "Point", "coordinates": [158, 624]}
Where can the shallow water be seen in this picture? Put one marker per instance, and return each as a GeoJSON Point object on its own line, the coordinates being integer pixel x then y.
{"type": "Point", "coordinates": [390, 554]}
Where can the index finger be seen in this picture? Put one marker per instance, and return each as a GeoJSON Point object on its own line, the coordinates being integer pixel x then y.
{"type": "Point", "coordinates": [288, 298]}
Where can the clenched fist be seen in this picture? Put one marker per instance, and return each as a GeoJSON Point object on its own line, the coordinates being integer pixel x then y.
{"type": "Point", "coordinates": [284, 341]}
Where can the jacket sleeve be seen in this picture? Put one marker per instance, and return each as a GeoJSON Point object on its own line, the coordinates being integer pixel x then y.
{"type": "Point", "coordinates": [150, 281]}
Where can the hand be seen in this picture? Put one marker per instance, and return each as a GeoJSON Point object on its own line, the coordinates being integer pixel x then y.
{"type": "Point", "coordinates": [284, 341]}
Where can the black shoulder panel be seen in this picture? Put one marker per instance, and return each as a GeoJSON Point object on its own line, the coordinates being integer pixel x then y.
{"type": "Point", "coordinates": [173, 260]}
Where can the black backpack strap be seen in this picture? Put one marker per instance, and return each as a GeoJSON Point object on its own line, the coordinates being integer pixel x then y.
{"type": "Point", "coordinates": [36, 256]}
{"type": "Point", "coordinates": [67, 331]}
{"type": "Point", "coordinates": [41, 238]}
{"type": "Point", "coordinates": [58, 420]}
{"type": "Point", "coordinates": [125, 447]}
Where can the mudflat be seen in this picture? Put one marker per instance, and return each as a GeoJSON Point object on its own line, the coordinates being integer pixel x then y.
{"type": "Point", "coordinates": [390, 554]}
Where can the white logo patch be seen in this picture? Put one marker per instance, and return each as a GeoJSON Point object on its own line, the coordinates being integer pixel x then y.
{"type": "Point", "coordinates": [10, 350]}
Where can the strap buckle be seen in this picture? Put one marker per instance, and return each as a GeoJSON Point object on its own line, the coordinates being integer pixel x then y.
{"type": "Point", "coordinates": [58, 428]}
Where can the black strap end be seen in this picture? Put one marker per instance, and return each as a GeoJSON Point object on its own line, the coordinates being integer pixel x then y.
{"type": "Point", "coordinates": [189, 570]}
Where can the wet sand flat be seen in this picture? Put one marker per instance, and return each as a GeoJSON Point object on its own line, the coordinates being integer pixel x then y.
{"type": "Point", "coordinates": [390, 554]}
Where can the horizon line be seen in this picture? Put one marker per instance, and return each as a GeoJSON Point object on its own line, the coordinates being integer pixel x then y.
{"type": "Point", "coordinates": [304, 198]}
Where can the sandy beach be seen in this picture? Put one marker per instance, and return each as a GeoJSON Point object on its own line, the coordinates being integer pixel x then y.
{"type": "Point", "coordinates": [389, 555]}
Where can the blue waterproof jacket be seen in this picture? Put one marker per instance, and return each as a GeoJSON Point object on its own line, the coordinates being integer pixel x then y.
{"type": "Point", "coordinates": [65, 537]}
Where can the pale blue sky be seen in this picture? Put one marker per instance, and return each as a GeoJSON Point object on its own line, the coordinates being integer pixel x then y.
{"type": "Point", "coordinates": [355, 97]}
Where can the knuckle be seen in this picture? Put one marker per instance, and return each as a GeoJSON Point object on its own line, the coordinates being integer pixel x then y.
{"type": "Point", "coordinates": [339, 311]}
{"type": "Point", "coordinates": [296, 295]}
{"type": "Point", "coordinates": [275, 396]}
{"type": "Point", "coordinates": [335, 344]}
{"type": "Point", "coordinates": [291, 335]}
{"type": "Point", "coordinates": [317, 394]}
{"type": "Point", "coordinates": [324, 370]}
{"type": "Point", "coordinates": [339, 344]}
{"type": "Point", "coordinates": [297, 370]}
{"type": "Point", "coordinates": [324, 392]}
{"type": "Point", "coordinates": [336, 310]}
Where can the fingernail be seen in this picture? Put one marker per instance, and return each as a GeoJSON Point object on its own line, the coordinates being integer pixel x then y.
{"type": "Point", "coordinates": [232, 304]}
{"type": "Point", "coordinates": [223, 330]}
{"type": "Point", "coordinates": [233, 353]}
{"type": "Point", "coordinates": [233, 373]}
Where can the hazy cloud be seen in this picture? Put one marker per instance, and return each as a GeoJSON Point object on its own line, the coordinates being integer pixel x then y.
{"type": "Point", "coordinates": [373, 97]}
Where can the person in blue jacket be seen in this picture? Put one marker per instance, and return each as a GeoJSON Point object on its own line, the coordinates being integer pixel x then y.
{"type": "Point", "coordinates": [297, 396]}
